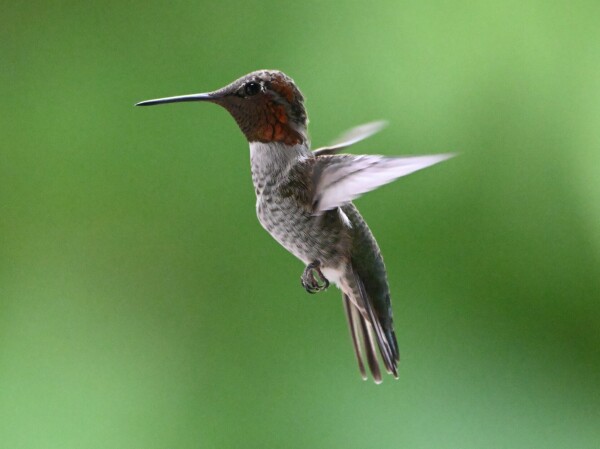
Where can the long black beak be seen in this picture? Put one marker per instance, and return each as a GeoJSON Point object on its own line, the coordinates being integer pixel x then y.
{"type": "Point", "coordinates": [180, 98]}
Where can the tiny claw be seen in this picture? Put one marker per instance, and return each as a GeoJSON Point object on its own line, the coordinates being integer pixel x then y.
{"type": "Point", "coordinates": [308, 287]}
{"type": "Point", "coordinates": [313, 279]}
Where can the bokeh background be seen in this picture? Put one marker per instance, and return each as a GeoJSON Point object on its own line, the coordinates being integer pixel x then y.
{"type": "Point", "coordinates": [143, 306]}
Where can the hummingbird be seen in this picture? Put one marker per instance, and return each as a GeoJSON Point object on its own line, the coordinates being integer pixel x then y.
{"type": "Point", "coordinates": [304, 201]}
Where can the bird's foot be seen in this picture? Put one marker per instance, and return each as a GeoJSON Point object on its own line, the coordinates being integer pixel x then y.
{"type": "Point", "coordinates": [312, 279]}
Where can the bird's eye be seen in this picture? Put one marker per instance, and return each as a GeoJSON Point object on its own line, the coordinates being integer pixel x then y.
{"type": "Point", "coordinates": [252, 88]}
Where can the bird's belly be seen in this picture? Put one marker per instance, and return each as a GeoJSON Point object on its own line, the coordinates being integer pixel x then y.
{"type": "Point", "coordinates": [306, 236]}
{"type": "Point", "coordinates": [335, 275]}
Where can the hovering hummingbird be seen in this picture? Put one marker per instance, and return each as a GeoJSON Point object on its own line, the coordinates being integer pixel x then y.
{"type": "Point", "coordinates": [304, 200]}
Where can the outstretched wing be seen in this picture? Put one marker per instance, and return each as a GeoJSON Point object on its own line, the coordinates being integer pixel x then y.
{"type": "Point", "coordinates": [341, 178]}
{"type": "Point", "coordinates": [351, 137]}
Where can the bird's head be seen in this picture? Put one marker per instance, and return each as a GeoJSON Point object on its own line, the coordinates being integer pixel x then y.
{"type": "Point", "coordinates": [266, 104]}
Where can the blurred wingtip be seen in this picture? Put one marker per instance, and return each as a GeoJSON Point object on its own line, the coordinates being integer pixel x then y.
{"type": "Point", "coordinates": [360, 132]}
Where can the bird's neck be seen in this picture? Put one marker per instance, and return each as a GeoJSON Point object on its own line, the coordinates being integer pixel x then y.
{"type": "Point", "coordinates": [270, 161]}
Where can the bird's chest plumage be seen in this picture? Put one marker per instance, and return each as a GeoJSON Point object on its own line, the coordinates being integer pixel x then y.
{"type": "Point", "coordinates": [286, 221]}
{"type": "Point", "coordinates": [289, 220]}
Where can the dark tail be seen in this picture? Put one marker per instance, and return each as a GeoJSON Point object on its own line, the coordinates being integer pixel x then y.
{"type": "Point", "coordinates": [368, 328]}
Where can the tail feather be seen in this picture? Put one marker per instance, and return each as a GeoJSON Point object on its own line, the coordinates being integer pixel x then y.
{"type": "Point", "coordinates": [369, 345]}
{"type": "Point", "coordinates": [353, 316]}
{"type": "Point", "coordinates": [362, 340]}
{"type": "Point", "coordinates": [391, 336]}
{"type": "Point", "coordinates": [385, 346]}
{"type": "Point", "coordinates": [359, 309]}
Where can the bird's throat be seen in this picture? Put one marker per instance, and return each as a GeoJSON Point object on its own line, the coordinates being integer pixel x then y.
{"type": "Point", "coordinates": [270, 161]}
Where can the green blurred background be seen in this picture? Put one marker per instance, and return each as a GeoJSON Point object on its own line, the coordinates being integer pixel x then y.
{"type": "Point", "coordinates": [143, 306]}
